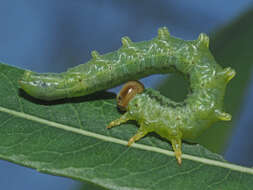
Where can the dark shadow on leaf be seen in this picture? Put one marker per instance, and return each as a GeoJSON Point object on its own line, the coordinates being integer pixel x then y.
{"type": "Point", "coordinates": [133, 122]}
{"type": "Point", "coordinates": [120, 111]}
{"type": "Point", "coordinates": [101, 95]}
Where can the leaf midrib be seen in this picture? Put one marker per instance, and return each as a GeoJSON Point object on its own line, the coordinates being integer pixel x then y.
{"type": "Point", "coordinates": [123, 142]}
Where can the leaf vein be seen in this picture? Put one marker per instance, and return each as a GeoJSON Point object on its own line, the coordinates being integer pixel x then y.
{"type": "Point", "coordinates": [123, 142]}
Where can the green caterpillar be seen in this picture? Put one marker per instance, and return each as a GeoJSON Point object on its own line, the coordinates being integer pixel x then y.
{"type": "Point", "coordinates": [163, 54]}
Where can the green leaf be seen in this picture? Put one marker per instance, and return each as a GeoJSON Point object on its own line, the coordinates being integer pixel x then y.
{"type": "Point", "coordinates": [69, 138]}
{"type": "Point", "coordinates": [231, 47]}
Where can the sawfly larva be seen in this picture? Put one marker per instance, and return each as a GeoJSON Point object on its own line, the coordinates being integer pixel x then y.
{"type": "Point", "coordinates": [154, 112]}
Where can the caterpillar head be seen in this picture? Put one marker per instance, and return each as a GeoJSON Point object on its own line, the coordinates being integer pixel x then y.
{"type": "Point", "coordinates": [128, 91]}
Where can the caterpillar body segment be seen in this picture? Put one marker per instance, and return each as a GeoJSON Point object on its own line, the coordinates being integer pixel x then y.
{"type": "Point", "coordinates": [163, 54]}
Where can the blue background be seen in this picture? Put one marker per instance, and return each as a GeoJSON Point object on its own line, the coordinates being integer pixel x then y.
{"type": "Point", "coordinates": [53, 35]}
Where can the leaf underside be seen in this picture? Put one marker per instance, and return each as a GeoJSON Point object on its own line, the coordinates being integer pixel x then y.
{"type": "Point", "coordinates": [32, 134]}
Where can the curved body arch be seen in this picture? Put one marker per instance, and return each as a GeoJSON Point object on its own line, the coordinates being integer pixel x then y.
{"type": "Point", "coordinates": [154, 112]}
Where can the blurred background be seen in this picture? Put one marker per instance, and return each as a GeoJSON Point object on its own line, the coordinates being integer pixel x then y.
{"type": "Point", "coordinates": [53, 35]}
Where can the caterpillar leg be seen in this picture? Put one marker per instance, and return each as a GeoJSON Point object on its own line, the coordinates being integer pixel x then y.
{"type": "Point", "coordinates": [177, 146]}
{"type": "Point", "coordinates": [123, 119]}
{"type": "Point", "coordinates": [140, 133]}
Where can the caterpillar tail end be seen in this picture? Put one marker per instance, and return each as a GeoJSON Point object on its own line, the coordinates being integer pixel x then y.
{"type": "Point", "coordinates": [223, 116]}
{"type": "Point", "coordinates": [24, 82]}
{"type": "Point", "coordinates": [43, 86]}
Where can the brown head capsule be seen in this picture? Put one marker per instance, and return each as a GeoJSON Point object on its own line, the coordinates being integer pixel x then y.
{"type": "Point", "coordinates": [128, 91]}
